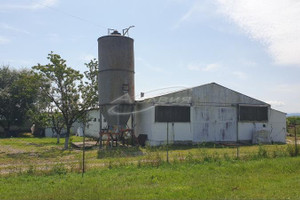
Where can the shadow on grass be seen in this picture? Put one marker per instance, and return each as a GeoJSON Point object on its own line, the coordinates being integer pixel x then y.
{"type": "Point", "coordinates": [209, 145]}
{"type": "Point", "coordinates": [118, 152]}
{"type": "Point", "coordinates": [49, 153]}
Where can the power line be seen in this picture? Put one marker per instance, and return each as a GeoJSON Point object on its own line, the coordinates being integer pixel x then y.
{"type": "Point", "coordinates": [71, 15]}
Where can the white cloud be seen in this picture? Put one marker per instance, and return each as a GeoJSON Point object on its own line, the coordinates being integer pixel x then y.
{"type": "Point", "coordinates": [4, 40]}
{"type": "Point", "coordinates": [32, 6]}
{"type": "Point", "coordinates": [5, 26]}
{"type": "Point", "coordinates": [188, 15]}
{"type": "Point", "coordinates": [211, 67]}
{"type": "Point", "coordinates": [240, 75]}
{"type": "Point", "coordinates": [206, 68]}
{"type": "Point", "coordinates": [287, 93]}
{"type": "Point", "coordinates": [275, 23]}
{"type": "Point", "coordinates": [198, 10]}
{"type": "Point", "coordinates": [276, 103]}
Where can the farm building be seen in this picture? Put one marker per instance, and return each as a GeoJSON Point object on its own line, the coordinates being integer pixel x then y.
{"type": "Point", "coordinates": [92, 128]}
{"type": "Point", "coordinates": [208, 113]}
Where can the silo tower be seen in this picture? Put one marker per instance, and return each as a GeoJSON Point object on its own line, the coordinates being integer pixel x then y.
{"type": "Point", "coordinates": [116, 78]}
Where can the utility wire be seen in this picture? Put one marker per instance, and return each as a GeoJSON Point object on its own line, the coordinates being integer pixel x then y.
{"type": "Point", "coordinates": [71, 15]}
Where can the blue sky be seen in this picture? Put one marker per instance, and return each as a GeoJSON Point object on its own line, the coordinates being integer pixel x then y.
{"type": "Point", "coordinates": [248, 46]}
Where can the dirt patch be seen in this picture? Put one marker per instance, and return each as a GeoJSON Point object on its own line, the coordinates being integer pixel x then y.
{"type": "Point", "coordinates": [288, 141]}
{"type": "Point", "coordinates": [7, 149]}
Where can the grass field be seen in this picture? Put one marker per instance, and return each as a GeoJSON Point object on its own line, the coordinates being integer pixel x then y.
{"type": "Point", "coordinates": [256, 179]}
{"type": "Point", "coordinates": [38, 168]}
{"type": "Point", "coordinates": [21, 154]}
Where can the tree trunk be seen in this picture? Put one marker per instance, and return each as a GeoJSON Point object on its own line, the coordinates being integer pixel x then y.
{"type": "Point", "coordinates": [67, 137]}
{"type": "Point", "coordinates": [6, 132]}
{"type": "Point", "coordinates": [58, 136]}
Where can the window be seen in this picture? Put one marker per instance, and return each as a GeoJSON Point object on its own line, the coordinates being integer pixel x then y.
{"type": "Point", "coordinates": [125, 88]}
{"type": "Point", "coordinates": [172, 114]}
{"type": "Point", "coordinates": [253, 113]}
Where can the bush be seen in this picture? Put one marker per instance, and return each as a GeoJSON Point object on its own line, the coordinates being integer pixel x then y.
{"type": "Point", "coordinates": [291, 149]}
{"type": "Point", "coordinates": [26, 135]}
{"type": "Point", "coordinates": [262, 152]}
{"type": "Point", "coordinates": [59, 169]}
{"type": "Point", "coordinates": [31, 170]}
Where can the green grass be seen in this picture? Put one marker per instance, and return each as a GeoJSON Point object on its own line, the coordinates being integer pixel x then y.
{"type": "Point", "coordinates": [21, 154]}
{"type": "Point", "coordinates": [255, 179]}
{"type": "Point", "coordinates": [38, 168]}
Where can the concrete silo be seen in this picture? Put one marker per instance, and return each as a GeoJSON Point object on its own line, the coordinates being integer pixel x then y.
{"type": "Point", "coordinates": [116, 78]}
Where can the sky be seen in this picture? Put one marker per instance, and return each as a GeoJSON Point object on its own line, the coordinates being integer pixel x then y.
{"type": "Point", "coordinates": [252, 47]}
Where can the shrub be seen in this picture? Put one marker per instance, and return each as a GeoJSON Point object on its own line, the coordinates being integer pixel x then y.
{"type": "Point", "coordinates": [262, 152]}
{"type": "Point", "coordinates": [291, 149]}
{"type": "Point", "coordinates": [59, 169]}
{"type": "Point", "coordinates": [31, 170]}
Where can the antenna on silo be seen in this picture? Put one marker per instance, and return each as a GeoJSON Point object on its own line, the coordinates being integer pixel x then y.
{"type": "Point", "coordinates": [125, 31]}
{"type": "Point", "coordinates": [110, 30]}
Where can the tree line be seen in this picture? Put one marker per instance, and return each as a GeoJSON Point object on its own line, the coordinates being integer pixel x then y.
{"type": "Point", "coordinates": [293, 124]}
{"type": "Point", "coordinates": [52, 95]}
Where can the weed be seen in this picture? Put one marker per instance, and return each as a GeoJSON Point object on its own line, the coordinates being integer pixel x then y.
{"type": "Point", "coordinates": [59, 169]}
{"type": "Point", "coordinates": [139, 163]}
{"type": "Point", "coordinates": [227, 157]}
{"type": "Point", "coordinates": [110, 164]}
{"type": "Point", "coordinates": [31, 170]}
{"type": "Point", "coordinates": [189, 157]}
{"type": "Point", "coordinates": [291, 149]}
{"type": "Point", "coordinates": [262, 152]}
{"type": "Point", "coordinates": [277, 152]}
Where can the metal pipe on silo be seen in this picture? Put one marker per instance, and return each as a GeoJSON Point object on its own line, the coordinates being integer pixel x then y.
{"type": "Point", "coordinates": [116, 78]}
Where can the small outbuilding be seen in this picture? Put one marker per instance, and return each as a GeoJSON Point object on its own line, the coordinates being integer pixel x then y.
{"type": "Point", "coordinates": [208, 113]}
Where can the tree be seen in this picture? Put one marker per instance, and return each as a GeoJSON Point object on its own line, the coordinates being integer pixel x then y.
{"type": "Point", "coordinates": [57, 123]}
{"type": "Point", "coordinates": [38, 114]}
{"type": "Point", "coordinates": [18, 93]}
{"type": "Point", "coordinates": [91, 83]}
{"type": "Point", "coordinates": [71, 96]}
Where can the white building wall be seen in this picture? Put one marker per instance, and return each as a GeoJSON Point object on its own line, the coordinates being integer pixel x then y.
{"type": "Point", "coordinates": [213, 117]}
{"type": "Point", "coordinates": [157, 131]}
{"type": "Point", "coordinates": [213, 123]}
{"type": "Point", "coordinates": [247, 129]}
{"type": "Point", "coordinates": [277, 124]}
{"type": "Point", "coordinates": [91, 130]}
{"type": "Point", "coordinates": [209, 124]}
{"type": "Point", "coordinates": [144, 116]}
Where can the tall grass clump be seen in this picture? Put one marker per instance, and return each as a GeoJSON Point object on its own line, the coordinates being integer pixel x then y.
{"type": "Point", "coordinates": [262, 152]}
{"type": "Point", "coordinates": [291, 149]}
{"type": "Point", "coordinates": [59, 169]}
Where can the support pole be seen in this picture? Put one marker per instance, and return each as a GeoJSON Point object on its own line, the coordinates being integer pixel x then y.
{"type": "Point", "coordinates": [83, 150]}
{"type": "Point", "coordinates": [132, 130]}
{"type": "Point", "coordinates": [100, 130]}
{"type": "Point", "coordinates": [167, 142]}
{"type": "Point", "coordinates": [237, 132]}
{"type": "Point", "coordinates": [296, 146]}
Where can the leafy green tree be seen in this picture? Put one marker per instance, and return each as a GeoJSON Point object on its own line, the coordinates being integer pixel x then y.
{"type": "Point", "coordinates": [292, 123]}
{"type": "Point", "coordinates": [69, 93]}
{"type": "Point", "coordinates": [57, 123]}
{"type": "Point", "coordinates": [38, 114]}
{"type": "Point", "coordinates": [91, 82]}
{"type": "Point", "coordinates": [18, 93]}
